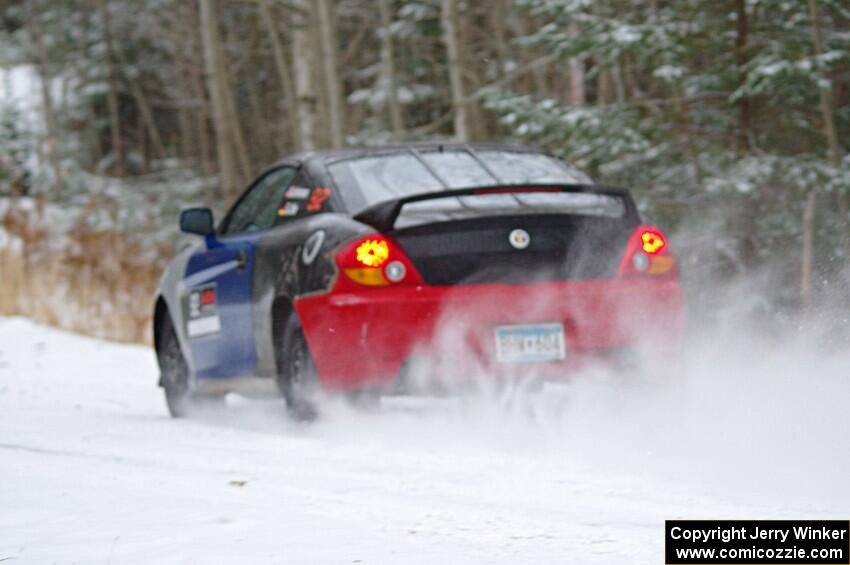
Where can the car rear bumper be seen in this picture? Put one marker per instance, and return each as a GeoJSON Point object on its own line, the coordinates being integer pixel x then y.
{"type": "Point", "coordinates": [364, 338]}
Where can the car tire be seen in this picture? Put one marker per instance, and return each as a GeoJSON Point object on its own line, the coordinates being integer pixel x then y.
{"type": "Point", "coordinates": [298, 377]}
{"type": "Point", "coordinates": [175, 378]}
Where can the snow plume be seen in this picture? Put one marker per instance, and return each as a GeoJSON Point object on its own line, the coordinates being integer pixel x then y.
{"type": "Point", "coordinates": [753, 411]}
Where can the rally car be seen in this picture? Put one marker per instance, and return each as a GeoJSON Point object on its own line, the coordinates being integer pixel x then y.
{"type": "Point", "coordinates": [335, 270]}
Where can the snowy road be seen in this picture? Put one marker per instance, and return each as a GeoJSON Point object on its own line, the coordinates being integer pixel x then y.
{"type": "Point", "coordinates": [92, 470]}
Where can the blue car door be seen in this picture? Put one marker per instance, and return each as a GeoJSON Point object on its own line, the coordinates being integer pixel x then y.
{"type": "Point", "coordinates": [218, 287]}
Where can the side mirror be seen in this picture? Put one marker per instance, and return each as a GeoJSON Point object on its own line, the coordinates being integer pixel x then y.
{"type": "Point", "coordinates": [198, 221]}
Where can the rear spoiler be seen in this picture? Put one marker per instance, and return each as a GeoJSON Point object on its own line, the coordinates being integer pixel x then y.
{"type": "Point", "coordinates": [382, 216]}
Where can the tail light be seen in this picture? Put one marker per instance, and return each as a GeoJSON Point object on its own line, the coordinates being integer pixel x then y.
{"type": "Point", "coordinates": [647, 253]}
{"type": "Point", "coordinates": [376, 260]}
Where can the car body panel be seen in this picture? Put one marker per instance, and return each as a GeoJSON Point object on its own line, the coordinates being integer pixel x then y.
{"type": "Point", "coordinates": [384, 328]}
{"type": "Point", "coordinates": [280, 274]}
{"type": "Point", "coordinates": [225, 348]}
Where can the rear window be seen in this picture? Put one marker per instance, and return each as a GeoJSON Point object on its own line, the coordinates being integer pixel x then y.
{"type": "Point", "coordinates": [369, 180]}
{"type": "Point", "coordinates": [511, 204]}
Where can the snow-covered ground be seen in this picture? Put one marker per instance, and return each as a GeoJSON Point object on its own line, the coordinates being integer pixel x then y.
{"type": "Point", "coordinates": [92, 470]}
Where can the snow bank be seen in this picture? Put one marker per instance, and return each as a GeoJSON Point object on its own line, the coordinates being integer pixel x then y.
{"type": "Point", "coordinates": [94, 470]}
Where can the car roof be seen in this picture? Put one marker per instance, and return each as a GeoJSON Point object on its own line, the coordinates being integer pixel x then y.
{"type": "Point", "coordinates": [328, 156]}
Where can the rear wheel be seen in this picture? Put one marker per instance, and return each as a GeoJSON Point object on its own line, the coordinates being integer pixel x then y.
{"type": "Point", "coordinates": [297, 374]}
{"type": "Point", "coordinates": [175, 377]}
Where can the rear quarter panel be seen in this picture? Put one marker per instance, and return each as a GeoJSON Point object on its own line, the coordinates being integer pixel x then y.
{"type": "Point", "coordinates": [281, 273]}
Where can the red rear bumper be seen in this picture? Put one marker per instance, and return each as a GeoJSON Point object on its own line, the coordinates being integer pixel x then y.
{"type": "Point", "coordinates": [362, 338]}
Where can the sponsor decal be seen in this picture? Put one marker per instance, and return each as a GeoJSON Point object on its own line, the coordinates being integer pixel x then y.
{"type": "Point", "coordinates": [519, 239]}
{"type": "Point", "coordinates": [288, 209]}
{"type": "Point", "coordinates": [203, 326]}
{"type": "Point", "coordinates": [202, 311]}
{"type": "Point", "coordinates": [312, 247]}
{"type": "Point", "coordinates": [297, 193]}
{"type": "Point", "coordinates": [317, 199]}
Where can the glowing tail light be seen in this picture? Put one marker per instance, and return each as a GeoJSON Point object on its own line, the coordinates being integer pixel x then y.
{"type": "Point", "coordinates": [647, 253]}
{"type": "Point", "coordinates": [373, 252]}
{"type": "Point", "coordinates": [375, 261]}
{"type": "Point", "coordinates": [652, 241]}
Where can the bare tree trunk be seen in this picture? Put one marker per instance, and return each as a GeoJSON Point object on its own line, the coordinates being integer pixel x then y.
{"type": "Point", "coordinates": [617, 79]}
{"type": "Point", "coordinates": [142, 142]}
{"type": "Point", "coordinates": [474, 70]}
{"type": "Point", "coordinates": [826, 105]}
{"type": "Point", "coordinates": [577, 97]}
{"type": "Point", "coordinates": [742, 58]}
{"type": "Point", "coordinates": [239, 146]}
{"type": "Point", "coordinates": [283, 73]}
{"type": "Point", "coordinates": [807, 262]}
{"type": "Point", "coordinates": [191, 73]}
{"type": "Point", "coordinates": [148, 120]}
{"type": "Point", "coordinates": [303, 56]}
{"type": "Point", "coordinates": [603, 84]}
{"type": "Point", "coordinates": [827, 110]}
{"type": "Point", "coordinates": [333, 86]}
{"type": "Point", "coordinates": [112, 93]}
{"type": "Point", "coordinates": [449, 18]}
{"type": "Point", "coordinates": [202, 121]}
{"type": "Point", "coordinates": [218, 88]}
{"type": "Point", "coordinates": [262, 132]}
{"type": "Point", "coordinates": [828, 116]}
{"type": "Point", "coordinates": [45, 78]}
{"type": "Point", "coordinates": [144, 110]}
{"type": "Point", "coordinates": [389, 78]}
{"type": "Point", "coordinates": [186, 141]}
{"type": "Point", "coordinates": [52, 136]}
{"type": "Point", "coordinates": [498, 17]}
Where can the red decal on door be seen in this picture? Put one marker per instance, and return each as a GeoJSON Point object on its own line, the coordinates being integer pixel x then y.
{"type": "Point", "coordinates": [208, 297]}
{"type": "Point", "coordinates": [317, 199]}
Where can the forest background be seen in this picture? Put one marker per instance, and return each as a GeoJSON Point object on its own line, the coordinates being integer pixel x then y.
{"type": "Point", "coordinates": [728, 119]}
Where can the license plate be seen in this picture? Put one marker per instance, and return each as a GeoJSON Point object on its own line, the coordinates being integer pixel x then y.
{"type": "Point", "coordinates": [536, 343]}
